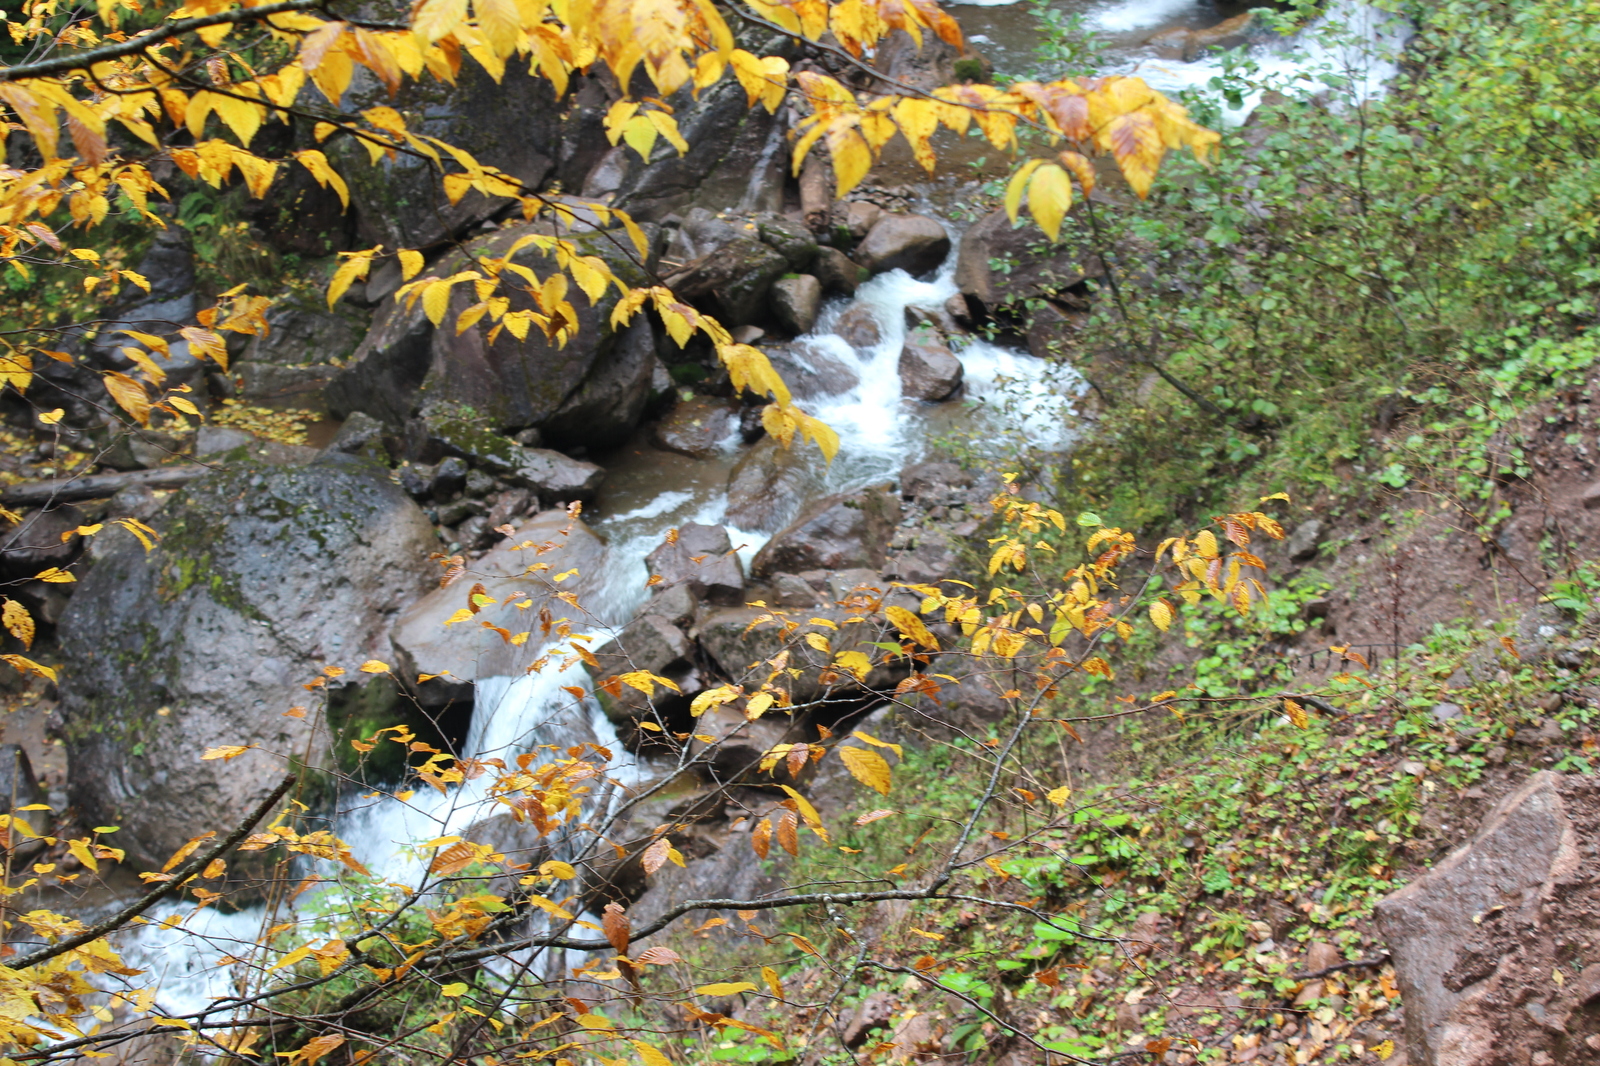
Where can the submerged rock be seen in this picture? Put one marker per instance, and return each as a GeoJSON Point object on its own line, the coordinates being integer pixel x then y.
{"type": "Point", "coordinates": [263, 575]}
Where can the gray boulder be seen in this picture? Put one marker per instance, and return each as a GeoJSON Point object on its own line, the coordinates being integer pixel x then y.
{"type": "Point", "coordinates": [1035, 267]}
{"type": "Point", "coordinates": [263, 575]}
{"type": "Point", "coordinates": [732, 281]}
{"type": "Point", "coordinates": [464, 652]}
{"type": "Point", "coordinates": [592, 391]}
{"type": "Point", "coordinates": [513, 124]}
{"type": "Point", "coordinates": [838, 272]}
{"type": "Point", "coordinates": [702, 559]}
{"type": "Point", "coordinates": [833, 533]}
{"type": "Point", "coordinates": [859, 327]}
{"type": "Point", "coordinates": [652, 643]}
{"type": "Point", "coordinates": [929, 370]}
{"type": "Point", "coordinates": [552, 475]}
{"type": "Point", "coordinates": [696, 427]}
{"type": "Point", "coordinates": [796, 301]}
{"type": "Point", "coordinates": [916, 244]}
{"type": "Point", "coordinates": [767, 485]}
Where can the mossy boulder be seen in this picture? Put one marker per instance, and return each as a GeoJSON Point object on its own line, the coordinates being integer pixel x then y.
{"type": "Point", "coordinates": [263, 576]}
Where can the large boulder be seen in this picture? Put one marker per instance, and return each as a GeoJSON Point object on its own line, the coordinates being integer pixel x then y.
{"type": "Point", "coordinates": [929, 370]}
{"type": "Point", "coordinates": [549, 545]}
{"type": "Point", "coordinates": [263, 576]}
{"type": "Point", "coordinates": [833, 533]}
{"type": "Point", "coordinates": [591, 391]}
{"type": "Point", "coordinates": [1001, 264]}
{"type": "Point", "coordinates": [702, 558]}
{"type": "Point", "coordinates": [1476, 939]}
{"type": "Point", "coordinates": [916, 244]}
{"type": "Point", "coordinates": [736, 157]}
{"type": "Point", "coordinates": [697, 427]}
{"type": "Point", "coordinates": [294, 361]}
{"type": "Point", "coordinates": [796, 300]}
{"type": "Point", "coordinates": [767, 485]}
{"type": "Point", "coordinates": [733, 281]}
{"type": "Point", "coordinates": [513, 124]}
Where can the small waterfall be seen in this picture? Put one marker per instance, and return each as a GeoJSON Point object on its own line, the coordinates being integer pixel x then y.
{"type": "Point", "coordinates": [879, 432]}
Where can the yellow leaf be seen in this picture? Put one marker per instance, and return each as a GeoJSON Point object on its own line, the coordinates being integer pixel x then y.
{"type": "Point", "coordinates": [557, 869]}
{"type": "Point", "coordinates": [130, 396]}
{"type": "Point", "coordinates": [54, 576]}
{"type": "Point", "coordinates": [725, 989]}
{"type": "Point", "coordinates": [1019, 186]}
{"type": "Point", "coordinates": [50, 418]}
{"type": "Point", "coordinates": [1161, 615]}
{"type": "Point", "coordinates": [454, 989]}
{"type": "Point", "coordinates": [856, 663]}
{"type": "Point", "coordinates": [868, 767]}
{"type": "Point", "coordinates": [226, 751]}
{"type": "Point", "coordinates": [1296, 713]}
{"type": "Point", "coordinates": [80, 851]}
{"type": "Point", "coordinates": [911, 626]}
{"type": "Point", "coordinates": [1383, 1050]}
{"type": "Point", "coordinates": [650, 1056]}
{"type": "Point", "coordinates": [355, 266]}
{"type": "Point", "coordinates": [1049, 196]}
{"type": "Point", "coordinates": [28, 666]}
{"type": "Point", "coordinates": [373, 666]}
{"type": "Point", "coordinates": [875, 742]}
{"type": "Point", "coordinates": [18, 622]}
{"type": "Point", "coordinates": [1059, 796]}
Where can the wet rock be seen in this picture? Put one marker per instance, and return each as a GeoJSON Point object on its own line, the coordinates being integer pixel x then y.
{"type": "Point", "coordinates": [652, 643]}
{"type": "Point", "coordinates": [933, 556]}
{"type": "Point", "coordinates": [700, 234]}
{"type": "Point", "coordinates": [736, 157]}
{"type": "Point", "coordinates": [733, 281]}
{"type": "Point", "coordinates": [358, 431]}
{"type": "Point", "coordinates": [929, 370]}
{"type": "Point", "coordinates": [1189, 45]}
{"type": "Point", "coordinates": [859, 217]}
{"type": "Point", "coordinates": [833, 533]}
{"type": "Point", "coordinates": [838, 272]}
{"type": "Point", "coordinates": [811, 371]}
{"type": "Point", "coordinates": [43, 539]}
{"type": "Point", "coordinates": [859, 327]}
{"type": "Point", "coordinates": [591, 391]}
{"type": "Point", "coordinates": [549, 473]}
{"type": "Point", "coordinates": [675, 603]}
{"type": "Point", "coordinates": [19, 787]}
{"type": "Point", "coordinates": [1480, 933]}
{"type": "Point", "coordinates": [1036, 268]}
{"type": "Point", "coordinates": [449, 478]}
{"type": "Point", "coordinates": [790, 590]}
{"type": "Point", "coordinates": [468, 652]}
{"type": "Point", "coordinates": [291, 364]}
{"type": "Point", "coordinates": [936, 480]}
{"type": "Point", "coordinates": [208, 639]}
{"type": "Point", "coordinates": [790, 239]}
{"type": "Point", "coordinates": [696, 427]}
{"type": "Point", "coordinates": [766, 486]}
{"type": "Point", "coordinates": [513, 123]}
{"type": "Point", "coordinates": [796, 301]}
{"type": "Point", "coordinates": [141, 449]}
{"type": "Point", "coordinates": [702, 559]}
{"type": "Point", "coordinates": [916, 244]}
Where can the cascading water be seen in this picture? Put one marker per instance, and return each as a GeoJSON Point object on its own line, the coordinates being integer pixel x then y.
{"type": "Point", "coordinates": [195, 959]}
